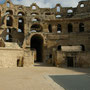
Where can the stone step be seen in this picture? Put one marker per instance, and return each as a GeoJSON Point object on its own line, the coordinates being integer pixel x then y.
{"type": "Point", "coordinates": [11, 45]}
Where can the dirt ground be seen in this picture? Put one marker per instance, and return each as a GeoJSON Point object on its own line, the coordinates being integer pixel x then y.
{"type": "Point", "coordinates": [35, 77]}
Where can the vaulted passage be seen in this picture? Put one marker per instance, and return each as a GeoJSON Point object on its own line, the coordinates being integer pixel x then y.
{"type": "Point", "coordinates": [37, 44]}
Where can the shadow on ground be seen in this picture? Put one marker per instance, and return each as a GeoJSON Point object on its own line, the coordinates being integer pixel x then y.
{"type": "Point", "coordinates": [72, 82]}
{"type": "Point", "coordinates": [82, 70]}
{"type": "Point", "coordinates": [43, 65]}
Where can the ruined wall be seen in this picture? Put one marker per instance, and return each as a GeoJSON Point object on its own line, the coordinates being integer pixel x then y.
{"type": "Point", "coordinates": [58, 26]}
{"type": "Point", "coordinates": [9, 57]}
{"type": "Point", "coordinates": [80, 59]}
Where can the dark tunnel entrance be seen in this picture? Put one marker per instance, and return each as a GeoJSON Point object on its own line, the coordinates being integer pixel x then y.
{"type": "Point", "coordinates": [37, 44]}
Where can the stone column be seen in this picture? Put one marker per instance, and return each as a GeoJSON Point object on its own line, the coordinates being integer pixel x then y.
{"type": "Point", "coordinates": [76, 27]}
{"type": "Point", "coordinates": [28, 57]}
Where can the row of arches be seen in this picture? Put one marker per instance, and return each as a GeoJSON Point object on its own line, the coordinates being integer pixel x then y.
{"type": "Point", "coordinates": [36, 28]}
{"type": "Point", "coordinates": [11, 13]}
{"type": "Point", "coordinates": [69, 27]}
{"type": "Point", "coordinates": [59, 27]}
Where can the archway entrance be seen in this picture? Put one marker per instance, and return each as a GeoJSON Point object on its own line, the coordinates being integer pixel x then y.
{"type": "Point", "coordinates": [37, 44]}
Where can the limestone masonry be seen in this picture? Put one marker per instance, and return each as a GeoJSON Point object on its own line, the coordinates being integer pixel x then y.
{"type": "Point", "coordinates": [58, 36]}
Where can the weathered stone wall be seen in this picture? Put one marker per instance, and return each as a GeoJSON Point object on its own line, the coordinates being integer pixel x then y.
{"type": "Point", "coordinates": [44, 23]}
{"type": "Point", "coordinates": [80, 59]}
{"type": "Point", "coordinates": [9, 57]}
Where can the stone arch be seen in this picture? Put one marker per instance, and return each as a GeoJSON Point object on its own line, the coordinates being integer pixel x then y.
{"type": "Point", "coordinates": [69, 11]}
{"type": "Point", "coordinates": [82, 5]}
{"type": "Point", "coordinates": [36, 28]}
{"type": "Point", "coordinates": [35, 19]}
{"type": "Point", "coordinates": [8, 4]}
{"type": "Point", "coordinates": [20, 13]}
{"type": "Point", "coordinates": [21, 25]}
{"type": "Point", "coordinates": [34, 13]}
{"type": "Point", "coordinates": [34, 7]}
{"type": "Point", "coordinates": [58, 8]}
{"type": "Point", "coordinates": [9, 12]}
{"type": "Point", "coordinates": [37, 43]}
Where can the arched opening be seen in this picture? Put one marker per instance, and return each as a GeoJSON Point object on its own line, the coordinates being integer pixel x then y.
{"type": "Point", "coordinates": [59, 29]}
{"type": "Point", "coordinates": [37, 44]}
{"type": "Point", "coordinates": [36, 27]}
{"type": "Point", "coordinates": [70, 11]}
{"type": "Point", "coordinates": [9, 12]}
{"type": "Point", "coordinates": [48, 13]}
{"type": "Point", "coordinates": [21, 25]}
{"type": "Point", "coordinates": [58, 16]}
{"type": "Point", "coordinates": [82, 5]}
{"type": "Point", "coordinates": [8, 4]}
{"type": "Point", "coordinates": [8, 38]}
{"type": "Point", "coordinates": [9, 21]}
{"type": "Point", "coordinates": [70, 28]}
{"type": "Point", "coordinates": [20, 14]}
{"type": "Point", "coordinates": [35, 19]}
{"type": "Point", "coordinates": [50, 28]}
{"type": "Point", "coordinates": [20, 8]}
{"type": "Point", "coordinates": [34, 14]}
{"type": "Point", "coordinates": [81, 27]}
{"type": "Point", "coordinates": [58, 8]}
{"type": "Point", "coordinates": [34, 7]}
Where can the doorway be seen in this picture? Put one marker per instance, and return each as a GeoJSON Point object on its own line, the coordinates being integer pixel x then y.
{"type": "Point", "coordinates": [37, 44]}
{"type": "Point", "coordinates": [70, 62]}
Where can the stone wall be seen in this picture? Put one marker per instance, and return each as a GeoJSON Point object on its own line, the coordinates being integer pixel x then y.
{"type": "Point", "coordinates": [54, 31]}
{"type": "Point", "coordinates": [80, 59]}
{"type": "Point", "coordinates": [9, 57]}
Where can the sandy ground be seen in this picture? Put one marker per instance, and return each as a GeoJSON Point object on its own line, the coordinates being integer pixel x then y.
{"type": "Point", "coordinates": [35, 78]}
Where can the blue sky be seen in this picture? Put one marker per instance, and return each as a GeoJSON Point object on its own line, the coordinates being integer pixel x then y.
{"type": "Point", "coordinates": [46, 3]}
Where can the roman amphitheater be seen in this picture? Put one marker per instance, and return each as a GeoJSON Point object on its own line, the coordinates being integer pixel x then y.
{"type": "Point", "coordinates": [59, 36]}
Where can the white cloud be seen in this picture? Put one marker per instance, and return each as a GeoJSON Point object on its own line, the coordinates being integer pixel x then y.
{"type": "Point", "coordinates": [47, 3]}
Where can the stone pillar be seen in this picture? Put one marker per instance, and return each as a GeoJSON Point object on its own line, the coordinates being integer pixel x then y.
{"type": "Point", "coordinates": [45, 27]}
{"type": "Point", "coordinates": [76, 27]}
{"type": "Point", "coordinates": [54, 56]}
{"type": "Point", "coordinates": [87, 26]}
{"type": "Point", "coordinates": [64, 28]}
{"type": "Point", "coordinates": [54, 28]}
{"type": "Point", "coordinates": [28, 57]}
